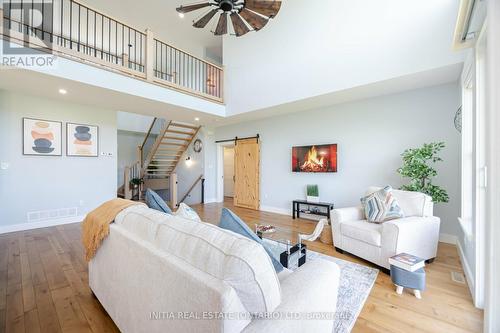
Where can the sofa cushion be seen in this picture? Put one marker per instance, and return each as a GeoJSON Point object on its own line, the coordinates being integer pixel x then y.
{"type": "Point", "coordinates": [231, 221]}
{"type": "Point", "coordinates": [154, 201]}
{"type": "Point", "coordinates": [187, 212]}
{"type": "Point", "coordinates": [381, 206]}
{"type": "Point", "coordinates": [412, 203]}
{"type": "Point", "coordinates": [363, 231]}
{"type": "Point", "coordinates": [238, 261]}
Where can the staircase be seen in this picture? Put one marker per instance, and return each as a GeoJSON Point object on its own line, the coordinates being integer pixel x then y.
{"type": "Point", "coordinates": [158, 156]}
{"type": "Point", "coordinates": [173, 140]}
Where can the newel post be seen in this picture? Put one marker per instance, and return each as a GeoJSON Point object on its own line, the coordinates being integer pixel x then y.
{"type": "Point", "coordinates": [1, 19]}
{"type": "Point", "coordinates": [150, 55]}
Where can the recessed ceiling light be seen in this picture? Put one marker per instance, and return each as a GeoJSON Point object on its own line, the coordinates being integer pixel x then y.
{"type": "Point", "coordinates": [197, 119]}
{"type": "Point", "coordinates": [63, 91]}
{"type": "Point", "coordinates": [181, 15]}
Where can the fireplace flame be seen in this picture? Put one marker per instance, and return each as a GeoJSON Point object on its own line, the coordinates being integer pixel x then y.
{"type": "Point", "coordinates": [313, 161]}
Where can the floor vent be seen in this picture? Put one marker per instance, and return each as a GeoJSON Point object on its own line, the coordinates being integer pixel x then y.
{"type": "Point", "coordinates": [53, 214]}
{"type": "Point", "coordinates": [458, 277]}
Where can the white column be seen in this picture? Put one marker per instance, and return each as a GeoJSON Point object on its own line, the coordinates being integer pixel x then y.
{"type": "Point", "coordinates": [492, 304]}
{"type": "Point", "coordinates": [150, 55]}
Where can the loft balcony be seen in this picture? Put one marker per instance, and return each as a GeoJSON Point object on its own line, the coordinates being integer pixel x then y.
{"type": "Point", "coordinates": [71, 30]}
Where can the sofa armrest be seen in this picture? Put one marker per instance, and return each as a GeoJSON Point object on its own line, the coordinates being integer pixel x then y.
{"type": "Point", "coordinates": [340, 215]}
{"type": "Point", "coordinates": [308, 301]}
{"type": "Point", "coordinates": [415, 235]}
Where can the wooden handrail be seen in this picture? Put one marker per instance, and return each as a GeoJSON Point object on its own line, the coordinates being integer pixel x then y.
{"type": "Point", "coordinates": [191, 189]}
{"type": "Point", "coordinates": [149, 132]}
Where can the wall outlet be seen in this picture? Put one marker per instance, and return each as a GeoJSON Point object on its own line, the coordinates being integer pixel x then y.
{"type": "Point", "coordinates": [4, 165]}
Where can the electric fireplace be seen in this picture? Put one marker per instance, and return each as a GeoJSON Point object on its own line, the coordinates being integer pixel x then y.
{"type": "Point", "coordinates": [317, 158]}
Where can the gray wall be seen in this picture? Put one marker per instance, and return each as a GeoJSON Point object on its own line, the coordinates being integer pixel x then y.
{"type": "Point", "coordinates": [371, 134]}
{"type": "Point", "coordinates": [34, 183]}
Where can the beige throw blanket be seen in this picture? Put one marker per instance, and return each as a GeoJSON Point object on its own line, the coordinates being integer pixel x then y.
{"type": "Point", "coordinates": [96, 224]}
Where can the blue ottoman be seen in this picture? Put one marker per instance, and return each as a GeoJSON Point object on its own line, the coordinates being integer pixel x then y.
{"type": "Point", "coordinates": [405, 279]}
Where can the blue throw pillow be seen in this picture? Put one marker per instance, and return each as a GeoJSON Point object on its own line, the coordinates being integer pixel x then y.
{"type": "Point", "coordinates": [154, 201]}
{"type": "Point", "coordinates": [232, 222]}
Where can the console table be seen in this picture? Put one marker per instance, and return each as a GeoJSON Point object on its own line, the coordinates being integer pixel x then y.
{"type": "Point", "coordinates": [297, 203]}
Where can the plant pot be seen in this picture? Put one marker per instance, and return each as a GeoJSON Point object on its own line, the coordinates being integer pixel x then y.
{"type": "Point", "coordinates": [312, 199]}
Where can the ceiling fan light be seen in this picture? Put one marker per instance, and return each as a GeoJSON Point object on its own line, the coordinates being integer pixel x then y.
{"type": "Point", "coordinates": [226, 5]}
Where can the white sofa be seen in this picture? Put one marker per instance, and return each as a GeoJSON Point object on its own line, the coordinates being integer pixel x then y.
{"type": "Point", "coordinates": [160, 273]}
{"type": "Point", "coordinates": [417, 233]}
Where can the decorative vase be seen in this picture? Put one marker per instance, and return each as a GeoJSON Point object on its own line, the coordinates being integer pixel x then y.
{"type": "Point", "coordinates": [312, 199]}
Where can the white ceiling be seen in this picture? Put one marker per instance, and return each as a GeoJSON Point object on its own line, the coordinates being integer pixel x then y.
{"type": "Point", "coordinates": [160, 16]}
{"type": "Point", "coordinates": [264, 52]}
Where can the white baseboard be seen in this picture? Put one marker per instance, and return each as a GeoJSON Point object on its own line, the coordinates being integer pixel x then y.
{"type": "Point", "coordinates": [449, 239]}
{"type": "Point", "coordinates": [466, 267]}
{"type": "Point", "coordinates": [276, 210]}
{"type": "Point", "coordinates": [42, 224]}
{"type": "Point", "coordinates": [211, 200]}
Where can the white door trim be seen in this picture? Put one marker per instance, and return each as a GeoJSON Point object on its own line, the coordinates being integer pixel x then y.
{"type": "Point", "coordinates": [220, 169]}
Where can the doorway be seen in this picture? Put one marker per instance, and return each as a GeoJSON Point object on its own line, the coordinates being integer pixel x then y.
{"type": "Point", "coordinates": [229, 172]}
{"type": "Point", "coordinates": [245, 167]}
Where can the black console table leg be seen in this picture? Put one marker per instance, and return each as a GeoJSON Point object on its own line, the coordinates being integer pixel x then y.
{"type": "Point", "coordinates": [293, 210]}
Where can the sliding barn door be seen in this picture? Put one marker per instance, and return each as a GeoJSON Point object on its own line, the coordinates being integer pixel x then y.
{"type": "Point", "coordinates": [247, 175]}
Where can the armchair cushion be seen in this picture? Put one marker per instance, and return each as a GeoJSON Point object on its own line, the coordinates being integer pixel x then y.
{"type": "Point", "coordinates": [363, 231]}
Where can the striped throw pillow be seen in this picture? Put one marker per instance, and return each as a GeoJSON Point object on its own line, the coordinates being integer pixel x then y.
{"type": "Point", "coordinates": [381, 206]}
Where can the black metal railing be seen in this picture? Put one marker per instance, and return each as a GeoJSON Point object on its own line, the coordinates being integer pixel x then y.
{"type": "Point", "coordinates": [74, 26]}
{"type": "Point", "coordinates": [185, 70]}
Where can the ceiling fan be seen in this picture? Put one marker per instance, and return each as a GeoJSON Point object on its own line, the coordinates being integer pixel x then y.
{"type": "Point", "coordinates": [243, 13]}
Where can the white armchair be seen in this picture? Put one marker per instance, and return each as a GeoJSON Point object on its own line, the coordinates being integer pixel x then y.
{"type": "Point", "coordinates": [417, 233]}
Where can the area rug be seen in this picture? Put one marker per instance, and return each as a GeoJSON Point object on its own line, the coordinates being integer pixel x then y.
{"type": "Point", "coordinates": [356, 282]}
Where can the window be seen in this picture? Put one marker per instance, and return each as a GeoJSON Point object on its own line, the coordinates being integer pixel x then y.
{"type": "Point", "coordinates": [468, 160]}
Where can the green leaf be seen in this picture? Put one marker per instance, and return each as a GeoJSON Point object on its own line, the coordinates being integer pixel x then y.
{"type": "Point", "coordinates": [418, 168]}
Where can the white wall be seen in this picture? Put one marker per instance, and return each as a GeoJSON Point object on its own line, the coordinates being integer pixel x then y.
{"type": "Point", "coordinates": [133, 122]}
{"type": "Point", "coordinates": [187, 174]}
{"type": "Point", "coordinates": [34, 183]}
{"type": "Point", "coordinates": [228, 171]}
{"type": "Point", "coordinates": [318, 47]}
{"type": "Point", "coordinates": [371, 134]}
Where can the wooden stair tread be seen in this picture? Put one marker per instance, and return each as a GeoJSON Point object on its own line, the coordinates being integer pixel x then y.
{"type": "Point", "coordinates": [180, 132]}
{"type": "Point", "coordinates": [184, 126]}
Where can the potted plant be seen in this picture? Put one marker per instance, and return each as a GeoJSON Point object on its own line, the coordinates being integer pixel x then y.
{"type": "Point", "coordinates": [135, 184]}
{"type": "Point", "coordinates": [418, 167]}
{"type": "Point", "coordinates": [312, 193]}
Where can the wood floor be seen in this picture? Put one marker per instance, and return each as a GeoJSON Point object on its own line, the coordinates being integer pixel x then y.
{"type": "Point", "coordinates": [44, 285]}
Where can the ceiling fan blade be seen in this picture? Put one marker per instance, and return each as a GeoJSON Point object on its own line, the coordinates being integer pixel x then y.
{"type": "Point", "coordinates": [266, 8]}
{"type": "Point", "coordinates": [222, 25]}
{"type": "Point", "coordinates": [256, 21]}
{"type": "Point", "coordinates": [201, 23]}
{"type": "Point", "coordinates": [240, 28]}
{"type": "Point", "coordinates": [190, 8]}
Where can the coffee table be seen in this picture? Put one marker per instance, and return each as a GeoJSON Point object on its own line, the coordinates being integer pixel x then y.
{"type": "Point", "coordinates": [290, 251]}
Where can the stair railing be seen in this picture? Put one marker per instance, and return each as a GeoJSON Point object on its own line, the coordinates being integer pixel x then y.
{"type": "Point", "coordinates": [155, 145]}
{"type": "Point", "coordinates": [200, 178]}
